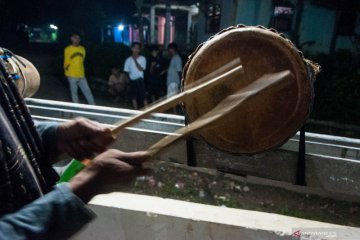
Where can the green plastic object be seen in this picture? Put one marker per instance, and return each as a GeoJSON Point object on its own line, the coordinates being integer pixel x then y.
{"type": "Point", "coordinates": [74, 168]}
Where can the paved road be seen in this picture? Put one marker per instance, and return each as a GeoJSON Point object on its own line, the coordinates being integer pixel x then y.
{"type": "Point", "coordinates": [48, 61]}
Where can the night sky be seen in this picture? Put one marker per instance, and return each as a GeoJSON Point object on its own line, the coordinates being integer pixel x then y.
{"type": "Point", "coordinates": [45, 11]}
{"type": "Point", "coordinates": [81, 16]}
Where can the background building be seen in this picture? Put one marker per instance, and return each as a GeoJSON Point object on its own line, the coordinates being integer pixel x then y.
{"type": "Point", "coordinates": [314, 25]}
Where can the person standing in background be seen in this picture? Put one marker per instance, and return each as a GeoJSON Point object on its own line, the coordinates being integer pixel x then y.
{"type": "Point", "coordinates": [156, 67]}
{"type": "Point", "coordinates": [74, 56]}
{"type": "Point", "coordinates": [174, 71]}
{"type": "Point", "coordinates": [135, 66]}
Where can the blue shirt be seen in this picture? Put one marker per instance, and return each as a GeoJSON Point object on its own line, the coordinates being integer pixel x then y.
{"type": "Point", "coordinates": [57, 215]}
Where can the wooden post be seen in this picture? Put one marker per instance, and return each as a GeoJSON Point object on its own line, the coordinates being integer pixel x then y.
{"type": "Point", "coordinates": [138, 4]}
{"type": "Point", "coordinates": [167, 24]}
{"type": "Point", "coordinates": [334, 35]}
{"type": "Point", "coordinates": [295, 35]}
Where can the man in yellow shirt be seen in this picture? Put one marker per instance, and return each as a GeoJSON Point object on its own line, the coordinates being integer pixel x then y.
{"type": "Point", "coordinates": [74, 56]}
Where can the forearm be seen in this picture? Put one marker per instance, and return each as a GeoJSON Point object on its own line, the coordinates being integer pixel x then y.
{"type": "Point", "coordinates": [57, 215]}
{"type": "Point", "coordinates": [86, 184]}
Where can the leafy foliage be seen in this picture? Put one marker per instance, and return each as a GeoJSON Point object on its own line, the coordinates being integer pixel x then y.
{"type": "Point", "coordinates": [103, 57]}
{"type": "Point", "coordinates": [337, 88]}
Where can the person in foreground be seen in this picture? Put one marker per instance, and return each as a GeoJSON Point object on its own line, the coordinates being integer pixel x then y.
{"type": "Point", "coordinates": [32, 206]}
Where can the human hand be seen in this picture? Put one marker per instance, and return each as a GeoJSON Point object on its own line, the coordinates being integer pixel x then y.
{"type": "Point", "coordinates": [112, 166]}
{"type": "Point", "coordinates": [82, 138]}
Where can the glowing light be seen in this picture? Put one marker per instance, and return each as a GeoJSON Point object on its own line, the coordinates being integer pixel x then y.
{"type": "Point", "coordinates": [52, 26]}
{"type": "Point", "coordinates": [121, 27]}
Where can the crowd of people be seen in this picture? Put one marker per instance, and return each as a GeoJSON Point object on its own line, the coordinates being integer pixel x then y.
{"type": "Point", "coordinates": [141, 80]}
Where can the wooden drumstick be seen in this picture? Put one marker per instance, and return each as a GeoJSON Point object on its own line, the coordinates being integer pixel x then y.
{"type": "Point", "coordinates": [226, 106]}
{"type": "Point", "coordinates": [210, 81]}
{"type": "Point", "coordinates": [223, 109]}
{"type": "Point", "coordinates": [219, 71]}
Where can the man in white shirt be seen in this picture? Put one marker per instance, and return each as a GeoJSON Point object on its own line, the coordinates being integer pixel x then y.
{"type": "Point", "coordinates": [174, 70]}
{"type": "Point", "coordinates": [135, 66]}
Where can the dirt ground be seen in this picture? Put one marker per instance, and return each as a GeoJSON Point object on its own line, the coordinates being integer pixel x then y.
{"type": "Point", "coordinates": [54, 85]}
{"type": "Point", "coordinates": [188, 184]}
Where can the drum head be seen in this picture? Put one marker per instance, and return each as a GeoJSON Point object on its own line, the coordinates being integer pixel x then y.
{"type": "Point", "coordinates": [265, 121]}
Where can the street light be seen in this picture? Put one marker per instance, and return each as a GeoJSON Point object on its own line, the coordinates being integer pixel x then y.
{"type": "Point", "coordinates": [121, 27]}
{"type": "Point", "coordinates": [52, 26]}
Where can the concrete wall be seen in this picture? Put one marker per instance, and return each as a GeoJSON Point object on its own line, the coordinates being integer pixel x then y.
{"type": "Point", "coordinates": [254, 13]}
{"type": "Point", "coordinates": [124, 216]}
{"type": "Point", "coordinates": [317, 25]}
{"type": "Point", "coordinates": [345, 42]}
{"type": "Point", "coordinates": [136, 140]}
{"type": "Point", "coordinates": [335, 175]}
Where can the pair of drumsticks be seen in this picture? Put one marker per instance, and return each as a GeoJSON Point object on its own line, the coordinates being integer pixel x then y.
{"type": "Point", "coordinates": [228, 105]}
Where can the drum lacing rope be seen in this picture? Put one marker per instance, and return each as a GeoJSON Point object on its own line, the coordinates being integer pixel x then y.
{"type": "Point", "coordinates": [11, 59]}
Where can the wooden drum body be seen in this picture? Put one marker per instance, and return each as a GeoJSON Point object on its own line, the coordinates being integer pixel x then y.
{"type": "Point", "coordinates": [268, 120]}
{"type": "Point", "coordinates": [27, 78]}
{"type": "Point", "coordinates": [29, 81]}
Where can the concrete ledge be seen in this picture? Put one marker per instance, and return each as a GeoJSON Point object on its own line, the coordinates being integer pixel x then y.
{"type": "Point", "coordinates": [129, 216]}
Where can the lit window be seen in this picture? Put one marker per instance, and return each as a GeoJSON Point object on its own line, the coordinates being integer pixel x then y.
{"type": "Point", "coordinates": [213, 16]}
{"type": "Point", "coordinates": [282, 18]}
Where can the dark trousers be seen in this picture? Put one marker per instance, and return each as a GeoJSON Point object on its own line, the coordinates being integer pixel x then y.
{"type": "Point", "coordinates": [137, 90]}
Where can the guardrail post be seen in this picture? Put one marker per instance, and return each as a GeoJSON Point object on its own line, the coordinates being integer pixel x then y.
{"type": "Point", "coordinates": [301, 164]}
